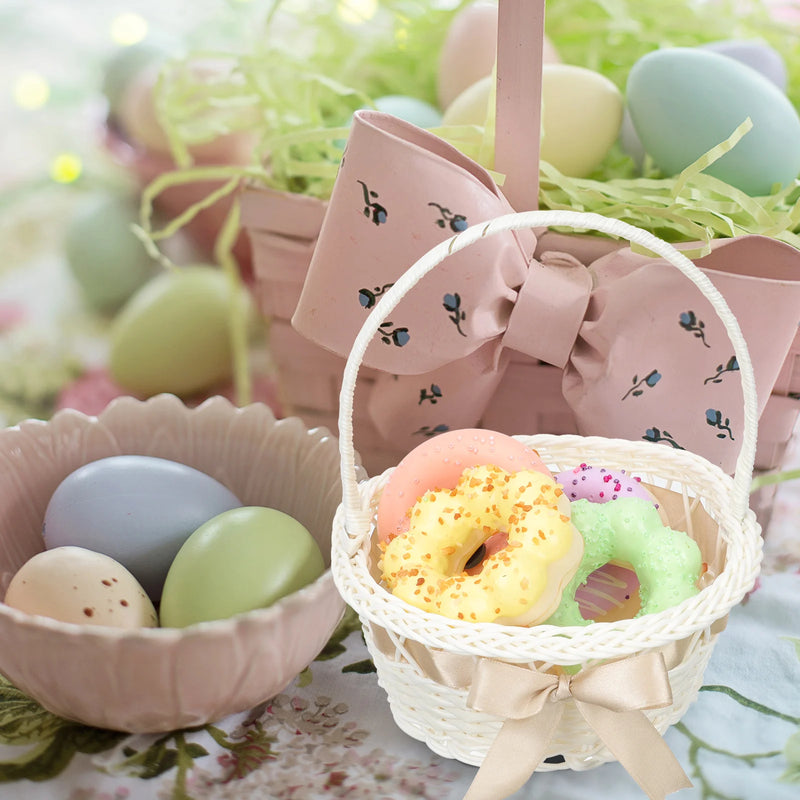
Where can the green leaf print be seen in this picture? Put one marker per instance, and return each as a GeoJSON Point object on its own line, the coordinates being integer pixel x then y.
{"type": "Point", "coordinates": [335, 647]}
{"type": "Point", "coordinates": [792, 754]}
{"type": "Point", "coordinates": [364, 667]}
{"type": "Point", "coordinates": [247, 753]}
{"type": "Point", "coordinates": [24, 722]}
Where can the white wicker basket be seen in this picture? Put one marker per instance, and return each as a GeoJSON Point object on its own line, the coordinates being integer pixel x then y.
{"type": "Point", "coordinates": [396, 632]}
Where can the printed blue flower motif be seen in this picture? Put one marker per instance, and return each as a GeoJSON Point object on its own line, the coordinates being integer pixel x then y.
{"type": "Point", "coordinates": [651, 379]}
{"type": "Point", "coordinates": [714, 418]}
{"type": "Point", "coordinates": [452, 303]}
{"type": "Point", "coordinates": [427, 431]}
{"type": "Point", "coordinates": [689, 322]}
{"type": "Point", "coordinates": [368, 297]}
{"type": "Point", "coordinates": [399, 337]}
{"type": "Point", "coordinates": [372, 210]}
{"type": "Point", "coordinates": [432, 395]}
{"type": "Point", "coordinates": [731, 366]}
{"type": "Point", "coordinates": [456, 222]}
{"type": "Point", "coordinates": [656, 435]}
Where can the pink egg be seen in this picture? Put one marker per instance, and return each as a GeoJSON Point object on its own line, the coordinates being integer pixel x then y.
{"type": "Point", "coordinates": [438, 463]}
{"type": "Point", "coordinates": [470, 48]}
{"type": "Point", "coordinates": [139, 119]}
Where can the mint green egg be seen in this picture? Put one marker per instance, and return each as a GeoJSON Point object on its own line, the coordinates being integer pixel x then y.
{"type": "Point", "coordinates": [684, 101]}
{"type": "Point", "coordinates": [174, 334]}
{"type": "Point", "coordinates": [241, 560]}
{"type": "Point", "coordinates": [128, 61]}
{"type": "Point", "coordinates": [104, 256]}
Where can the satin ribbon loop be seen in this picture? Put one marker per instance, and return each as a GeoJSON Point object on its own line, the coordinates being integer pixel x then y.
{"type": "Point", "coordinates": [610, 697]}
{"type": "Point", "coordinates": [550, 309]}
{"type": "Point", "coordinates": [627, 332]}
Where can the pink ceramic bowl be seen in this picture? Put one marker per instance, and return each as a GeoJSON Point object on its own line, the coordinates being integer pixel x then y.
{"type": "Point", "coordinates": [160, 679]}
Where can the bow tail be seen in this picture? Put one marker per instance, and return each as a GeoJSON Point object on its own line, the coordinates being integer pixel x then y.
{"type": "Point", "coordinates": [405, 408]}
{"type": "Point", "coordinates": [638, 747]}
{"type": "Point", "coordinates": [518, 749]}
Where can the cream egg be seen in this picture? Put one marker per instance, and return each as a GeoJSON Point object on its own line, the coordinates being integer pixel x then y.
{"type": "Point", "coordinates": [72, 584]}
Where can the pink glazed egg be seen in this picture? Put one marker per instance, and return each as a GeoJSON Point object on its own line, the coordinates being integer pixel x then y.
{"type": "Point", "coordinates": [438, 463]}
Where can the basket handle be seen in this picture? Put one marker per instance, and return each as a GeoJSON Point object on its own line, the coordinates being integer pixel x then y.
{"type": "Point", "coordinates": [358, 518]}
{"type": "Point", "coordinates": [518, 102]}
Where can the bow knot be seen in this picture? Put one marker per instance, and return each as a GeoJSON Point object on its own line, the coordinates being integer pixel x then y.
{"type": "Point", "coordinates": [549, 309]}
{"type": "Point", "coordinates": [563, 689]}
{"type": "Point", "coordinates": [610, 697]}
{"type": "Point", "coordinates": [630, 332]}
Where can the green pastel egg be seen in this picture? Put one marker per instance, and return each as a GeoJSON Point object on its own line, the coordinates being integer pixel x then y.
{"type": "Point", "coordinates": [240, 560]}
{"type": "Point", "coordinates": [106, 259]}
{"type": "Point", "coordinates": [174, 334]}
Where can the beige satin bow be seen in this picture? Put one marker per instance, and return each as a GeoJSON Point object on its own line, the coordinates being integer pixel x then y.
{"type": "Point", "coordinates": [610, 697]}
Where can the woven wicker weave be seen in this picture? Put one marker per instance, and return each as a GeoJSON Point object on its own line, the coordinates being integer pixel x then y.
{"type": "Point", "coordinates": [687, 632]}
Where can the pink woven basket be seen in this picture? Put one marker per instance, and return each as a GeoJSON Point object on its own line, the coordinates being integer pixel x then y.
{"type": "Point", "coordinates": [283, 229]}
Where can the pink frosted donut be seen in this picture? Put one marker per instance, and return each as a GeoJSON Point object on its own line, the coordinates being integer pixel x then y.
{"type": "Point", "coordinates": [438, 463]}
{"type": "Point", "coordinates": [599, 485]}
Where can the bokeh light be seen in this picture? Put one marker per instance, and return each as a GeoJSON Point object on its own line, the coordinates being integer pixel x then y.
{"type": "Point", "coordinates": [357, 12]}
{"type": "Point", "coordinates": [401, 38]}
{"type": "Point", "coordinates": [66, 168]}
{"type": "Point", "coordinates": [31, 90]}
{"type": "Point", "coordinates": [127, 29]}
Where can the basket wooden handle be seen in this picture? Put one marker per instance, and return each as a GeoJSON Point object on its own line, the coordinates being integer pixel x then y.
{"type": "Point", "coordinates": [518, 102]}
{"type": "Point", "coordinates": [358, 517]}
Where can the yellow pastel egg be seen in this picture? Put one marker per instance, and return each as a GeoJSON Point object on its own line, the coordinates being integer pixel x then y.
{"type": "Point", "coordinates": [471, 107]}
{"type": "Point", "coordinates": [581, 118]}
{"type": "Point", "coordinates": [581, 115]}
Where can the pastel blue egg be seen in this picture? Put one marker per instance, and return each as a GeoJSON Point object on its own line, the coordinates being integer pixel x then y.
{"type": "Point", "coordinates": [410, 109]}
{"type": "Point", "coordinates": [684, 101]}
{"type": "Point", "coordinates": [757, 55]}
{"type": "Point", "coordinates": [138, 510]}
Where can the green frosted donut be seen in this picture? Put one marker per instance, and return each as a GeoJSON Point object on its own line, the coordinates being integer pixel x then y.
{"type": "Point", "coordinates": [629, 530]}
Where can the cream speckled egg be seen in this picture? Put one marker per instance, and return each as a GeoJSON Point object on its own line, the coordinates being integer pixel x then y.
{"type": "Point", "coordinates": [72, 584]}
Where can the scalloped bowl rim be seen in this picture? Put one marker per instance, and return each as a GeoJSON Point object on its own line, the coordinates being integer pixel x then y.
{"type": "Point", "coordinates": [307, 594]}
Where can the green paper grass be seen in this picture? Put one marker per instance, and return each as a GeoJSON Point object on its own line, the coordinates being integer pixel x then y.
{"type": "Point", "coordinates": [308, 70]}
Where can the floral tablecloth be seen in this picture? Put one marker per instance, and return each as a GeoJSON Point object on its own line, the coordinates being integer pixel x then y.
{"type": "Point", "coordinates": [330, 733]}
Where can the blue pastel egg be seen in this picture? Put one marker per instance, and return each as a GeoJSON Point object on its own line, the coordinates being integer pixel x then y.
{"type": "Point", "coordinates": [684, 101]}
{"type": "Point", "coordinates": [410, 109]}
{"type": "Point", "coordinates": [138, 510]}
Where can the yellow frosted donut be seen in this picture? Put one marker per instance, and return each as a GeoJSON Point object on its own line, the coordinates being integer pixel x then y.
{"type": "Point", "coordinates": [519, 584]}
